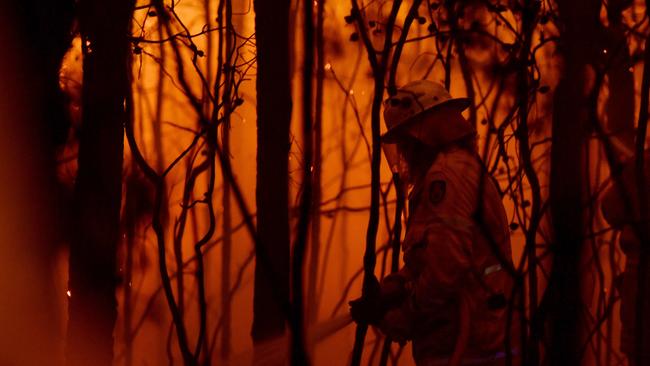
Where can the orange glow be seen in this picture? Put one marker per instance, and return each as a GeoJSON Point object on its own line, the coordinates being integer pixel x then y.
{"type": "Point", "coordinates": [166, 125]}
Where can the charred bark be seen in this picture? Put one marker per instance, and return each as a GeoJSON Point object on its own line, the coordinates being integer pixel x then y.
{"type": "Point", "coordinates": [226, 246]}
{"type": "Point", "coordinates": [271, 291]}
{"type": "Point", "coordinates": [529, 352]}
{"type": "Point", "coordinates": [97, 196]}
{"type": "Point", "coordinates": [298, 354]}
{"type": "Point", "coordinates": [562, 300]}
{"type": "Point", "coordinates": [314, 256]}
{"type": "Point", "coordinates": [641, 332]}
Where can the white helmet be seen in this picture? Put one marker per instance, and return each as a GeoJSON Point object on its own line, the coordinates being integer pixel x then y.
{"type": "Point", "coordinates": [415, 98]}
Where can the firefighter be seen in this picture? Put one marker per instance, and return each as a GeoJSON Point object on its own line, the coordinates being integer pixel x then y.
{"type": "Point", "coordinates": [451, 296]}
{"type": "Point", "coordinates": [620, 206]}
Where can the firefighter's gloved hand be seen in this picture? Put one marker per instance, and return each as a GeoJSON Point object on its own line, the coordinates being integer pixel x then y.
{"type": "Point", "coordinates": [369, 308]}
{"type": "Point", "coordinates": [365, 310]}
{"type": "Point", "coordinates": [393, 290]}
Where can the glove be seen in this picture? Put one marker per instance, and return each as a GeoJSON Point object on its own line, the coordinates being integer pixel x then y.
{"type": "Point", "coordinates": [368, 309]}
{"type": "Point", "coordinates": [394, 290]}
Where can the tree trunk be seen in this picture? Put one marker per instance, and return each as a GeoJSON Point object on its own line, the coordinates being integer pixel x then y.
{"type": "Point", "coordinates": [314, 250]}
{"type": "Point", "coordinates": [231, 43]}
{"type": "Point", "coordinates": [97, 196]}
{"type": "Point", "coordinates": [35, 36]}
{"type": "Point", "coordinates": [273, 121]}
{"type": "Point", "coordinates": [563, 295]}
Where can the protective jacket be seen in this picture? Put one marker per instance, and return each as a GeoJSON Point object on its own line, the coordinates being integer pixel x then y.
{"type": "Point", "coordinates": [456, 252]}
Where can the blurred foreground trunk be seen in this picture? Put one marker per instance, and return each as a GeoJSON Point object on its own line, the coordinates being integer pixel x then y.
{"type": "Point", "coordinates": [93, 278]}
{"type": "Point", "coordinates": [35, 36]}
{"type": "Point", "coordinates": [563, 301]}
{"type": "Point", "coordinates": [273, 120]}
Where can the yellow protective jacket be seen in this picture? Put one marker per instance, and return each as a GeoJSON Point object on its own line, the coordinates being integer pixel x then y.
{"type": "Point", "coordinates": [451, 250]}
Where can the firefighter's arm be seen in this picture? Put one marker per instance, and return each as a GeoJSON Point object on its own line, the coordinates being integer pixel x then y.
{"type": "Point", "coordinates": [437, 251]}
{"type": "Point", "coordinates": [434, 271]}
{"type": "Point", "coordinates": [440, 250]}
{"type": "Point", "coordinates": [442, 261]}
{"type": "Point", "coordinates": [398, 318]}
{"type": "Point", "coordinates": [381, 298]}
{"type": "Point", "coordinates": [395, 288]}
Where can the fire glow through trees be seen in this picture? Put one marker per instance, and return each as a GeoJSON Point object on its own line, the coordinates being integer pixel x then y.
{"type": "Point", "coordinates": [254, 199]}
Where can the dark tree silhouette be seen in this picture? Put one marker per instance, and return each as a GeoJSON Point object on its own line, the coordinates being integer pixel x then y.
{"type": "Point", "coordinates": [563, 301]}
{"type": "Point", "coordinates": [298, 354]}
{"type": "Point", "coordinates": [47, 29]}
{"type": "Point", "coordinates": [35, 36]}
{"type": "Point", "coordinates": [315, 244]}
{"type": "Point", "coordinates": [642, 331]}
{"type": "Point", "coordinates": [226, 250]}
{"type": "Point", "coordinates": [517, 60]}
{"type": "Point", "coordinates": [96, 212]}
{"type": "Point", "coordinates": [273, 121]}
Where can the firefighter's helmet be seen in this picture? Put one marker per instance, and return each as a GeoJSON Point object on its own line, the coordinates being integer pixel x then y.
{"type": "Point", "coordinates": [422, 109]}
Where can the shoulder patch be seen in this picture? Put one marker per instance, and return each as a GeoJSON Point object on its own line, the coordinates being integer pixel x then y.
{"type": "Point", "coordinates": [437, 190]}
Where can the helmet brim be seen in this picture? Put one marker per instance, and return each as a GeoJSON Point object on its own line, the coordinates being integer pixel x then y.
{"type": "Point", "coordinates": [395, 134]}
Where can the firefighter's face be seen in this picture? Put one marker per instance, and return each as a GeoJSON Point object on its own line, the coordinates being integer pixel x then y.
{"type": "Point", "coordinates": [408, 151]}
{"type": "Point", "coordinates": [409, 155]}
{"type": "Point", "coordinates": [408, 148]}
{"type": "Point", "coordinates": [415, 157]}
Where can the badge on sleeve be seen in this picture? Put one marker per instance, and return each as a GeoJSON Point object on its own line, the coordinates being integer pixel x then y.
{"type": "Point", "coordinates": [437, 190]}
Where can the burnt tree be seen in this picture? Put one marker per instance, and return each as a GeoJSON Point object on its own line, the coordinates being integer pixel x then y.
{"type": "Point", "coordinates": [272, 268]}
{"type": "Point", "coordinates": [35, 35]}
{"type": "Point", "coordinates": [563, 302]}
{"type": "Point", "coordinates": [96, 209]}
